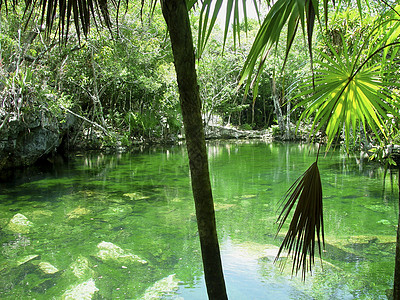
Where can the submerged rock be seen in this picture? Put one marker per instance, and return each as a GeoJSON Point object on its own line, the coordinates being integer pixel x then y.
{"type": "Point", "coordinates": [78, 212]}
{"type": "Point", "coordinates": [19, 224]}
{"type": "Point", "coordinates": [136, 196]}
{"type": "Point", "coordinates": [80, 268]}
{"type": "Point", "coordinates": [110, 251]}
{"type": "Point", "coordinates": [47, 268]}
{"type": "Point", "coordinates": [83, 291]}
{"type": "Point", "coordinates": [27, 258]}
{"type": "Point", "coordinates": [223, 206]}
{"type": "Point", "coordinates": [40, 213]}
{"type": "Point", "coordinates": [162, 288]}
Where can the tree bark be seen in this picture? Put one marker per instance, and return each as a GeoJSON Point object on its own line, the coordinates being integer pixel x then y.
{"type": "Point", "coordinates": [396, 286]}
{"type": "Point", "coordinates": [277, 106]}
{"type": "Point", "coordinates": [177, 19]}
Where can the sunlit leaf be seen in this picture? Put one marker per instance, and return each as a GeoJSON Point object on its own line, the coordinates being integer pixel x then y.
{"type": "Point", "coordinates": [346, 96]}
{"type": "Point", "coordinates": [282, 13]}
{"type": "Point", "coordinates": [210, 10]}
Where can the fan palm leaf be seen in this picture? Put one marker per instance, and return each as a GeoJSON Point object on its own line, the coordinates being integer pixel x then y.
{"type": "Point", "coordinates": [307, 220]}
{"type": "Point", "coordinates": [343, 94]}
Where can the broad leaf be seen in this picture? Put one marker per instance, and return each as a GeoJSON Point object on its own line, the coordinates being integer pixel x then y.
{"type": "Point", "coordinates": [290, 12]}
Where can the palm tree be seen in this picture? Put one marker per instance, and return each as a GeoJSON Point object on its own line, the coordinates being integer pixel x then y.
{"type": "Point", "coordinates": [176, 16]}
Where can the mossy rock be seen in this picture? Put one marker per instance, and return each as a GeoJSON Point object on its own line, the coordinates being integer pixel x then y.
{"type": "Point", "coordinates": [19, 224]}
{"type": "Point", "coordinates": [84, 291]}
{"type": "Point", "coordinates": [27, 258]}
{"type": "Point", "coordinates": [223, 206]}
{"type": "Point", "coordinates": [110, 251]}
{"type": "Point", "coordinates": [379, 208]}
{"type": "Point", "coordinates": [80, 268]}
{"type": "Point", "coordinates": [78, 212]}
{"type": "Point", "coordinates": [40, 213]}
{"type": "Point", "coordinates": [162, 288]}
{"type": "Point", "coordinates": [136, 196]}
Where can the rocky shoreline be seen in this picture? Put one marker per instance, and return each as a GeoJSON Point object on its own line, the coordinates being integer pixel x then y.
{"type": "Point", "coordinates": [42, 135]}
{"type": "Point", "coordinates": [49, 136]}
{"type": "Point", "coordinates": [216, 132]}
{"type": "Point", "coordinates": [28, 137]}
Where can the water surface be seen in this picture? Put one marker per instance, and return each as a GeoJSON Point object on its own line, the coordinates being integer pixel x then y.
{"type": "Point", "coordinates": [123, 226]}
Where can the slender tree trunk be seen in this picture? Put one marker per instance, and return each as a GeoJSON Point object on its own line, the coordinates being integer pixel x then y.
{"type": "Point", "coordinates": [97, 107]}
{"type": "Point", "coordinates": [277, 106]}
{"type": "Point", "coordinates": [177, 19]}
{"type": "Point", "coordinates": [396, 286]}
{"type": "Point", "coordinates": [288, 108]}
{"type": "Point", "coordinates": [252, 112]}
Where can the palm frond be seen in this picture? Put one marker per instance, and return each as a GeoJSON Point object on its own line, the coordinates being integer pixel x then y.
{"type": "Point", "coordinates": [307, 221]}
{"type": "Point", "coordinates": [345, 93]}
{"type": "Point", "coordinates": [63, 13]}
{"type": "Point", "coordinates": [295, 14]}
{"type": "Point", "coordinates": [210, 10]}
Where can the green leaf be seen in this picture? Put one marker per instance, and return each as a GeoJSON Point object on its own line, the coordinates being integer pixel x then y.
{"type": "Point", "coordinates": [290, 12]}
{"type": "Point", "coordinates": [347, 95]}
{"type": "Point", "coordinates": [209, 12]}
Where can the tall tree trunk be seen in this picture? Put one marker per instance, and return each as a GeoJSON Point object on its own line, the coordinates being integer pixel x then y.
{"type": "Point", "coordinates": [277, 107]}
{"type": "Point", "coordinates": [177, 19]}
{"type": "Point", "coordinates": [396, 286]}
{"type": "Point", "coordinates": [287, 133]}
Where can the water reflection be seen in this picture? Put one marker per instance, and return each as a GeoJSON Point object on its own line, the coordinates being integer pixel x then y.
{"type": "Point", "coordinates": [93, 217]}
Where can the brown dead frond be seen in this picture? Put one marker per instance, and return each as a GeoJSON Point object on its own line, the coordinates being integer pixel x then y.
{"type": "Point", "coordinates": [307, 220]}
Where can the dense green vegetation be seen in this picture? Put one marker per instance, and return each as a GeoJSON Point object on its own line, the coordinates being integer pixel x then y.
{"type": "Point", "coordinates": [123, 79]}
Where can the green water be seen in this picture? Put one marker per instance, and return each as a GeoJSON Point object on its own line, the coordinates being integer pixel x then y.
{"type": "Point", "coordinates": [123, 226]}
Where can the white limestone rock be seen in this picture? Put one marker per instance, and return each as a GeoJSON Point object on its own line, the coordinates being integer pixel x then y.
{"type": "Point", "coordinates": [47, 268]}
{"type": "Point", "coordinates": [161, 288]}
{"type": "Point", "coordinates": [19, 224]}
{"type": "Point", "coordinates": [110, 251]}
{"type": "Point", "coordinates": [82, 291]}
{"type": "Point", "coordinates": [81, 268]}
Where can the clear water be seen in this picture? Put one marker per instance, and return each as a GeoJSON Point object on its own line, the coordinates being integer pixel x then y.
{"type": "Point", "coordinates": [123, 226]}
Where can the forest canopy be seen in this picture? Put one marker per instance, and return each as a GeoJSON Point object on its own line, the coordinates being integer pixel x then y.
{"type": "Point", "coordinates": [122, 78]}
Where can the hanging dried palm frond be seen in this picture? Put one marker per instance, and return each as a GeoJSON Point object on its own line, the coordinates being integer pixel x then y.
{"type": "Point", "coordinates": [49, 13]}
{"type": "Point", "coordinates": [307, 220]}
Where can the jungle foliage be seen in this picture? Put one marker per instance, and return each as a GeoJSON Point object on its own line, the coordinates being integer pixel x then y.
{"type": "Point", "coordinates": [122, 79]}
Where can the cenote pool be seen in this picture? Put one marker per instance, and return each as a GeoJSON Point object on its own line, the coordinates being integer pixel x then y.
{"type": "Point", "coordinates": [123, 226]}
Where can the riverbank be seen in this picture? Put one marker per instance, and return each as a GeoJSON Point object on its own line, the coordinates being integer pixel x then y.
{"type": "Point", "coordinates": [47, 134]}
